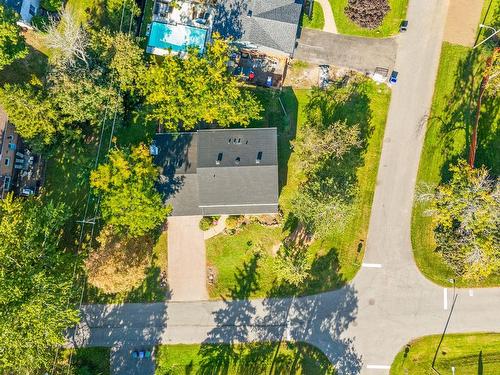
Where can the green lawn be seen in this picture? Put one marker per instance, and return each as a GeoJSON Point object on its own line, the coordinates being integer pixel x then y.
{"type": "Point", "coordinates": [317, 20]}
{"type": "Point", "coordinates": [390, 25]}
{"type": "Point", "coordinates": [84, 361]}
{"type": "Point", "coordinates": [468, 353]}
{"type": "Point", "coordinates": [255, 359]}
{"type": "Point", "coordinates": [446, 141]}
{"type": "Point", "coordinates": [334, 259]}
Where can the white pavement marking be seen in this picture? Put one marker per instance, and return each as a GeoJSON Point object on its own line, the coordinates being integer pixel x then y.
{"type": "Point", "coordinates": [471, 293]}
{"type": "Point", "coordinates": [378, 367]}
{"type": "Point", "coordinates": [445, 298]}
{"type": "Point", "coordinates": [371, 265]}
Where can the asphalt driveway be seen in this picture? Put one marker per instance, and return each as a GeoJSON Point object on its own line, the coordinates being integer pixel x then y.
{"type": "Point", "coordinates": [363, 54]}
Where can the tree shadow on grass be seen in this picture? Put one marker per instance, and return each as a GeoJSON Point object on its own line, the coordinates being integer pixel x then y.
{"type": "Point", "coordinates": [319, 320]}
{"type": "Point", "coordinates": [457, 120]}
{"type": "Point", "coordinates": [22, 70]}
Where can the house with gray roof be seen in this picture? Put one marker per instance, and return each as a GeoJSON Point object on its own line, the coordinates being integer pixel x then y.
{"type": "Point", "coordinates": [27, 9]}
{"type": "Point", "coordinates": [270, 26]}
{"type": "Point", "coordinates": [216, 172]}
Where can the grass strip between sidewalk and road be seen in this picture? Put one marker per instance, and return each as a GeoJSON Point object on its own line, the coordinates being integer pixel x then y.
{"type": "Point", "coordinates": [473, 353]}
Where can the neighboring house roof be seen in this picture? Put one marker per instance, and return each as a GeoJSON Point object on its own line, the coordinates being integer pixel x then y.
{"type": "Point", "coordinates": [14, 4]}
{"type": "Point", "coordinates": [269, 23]}
{"type": "Point", "coordinates": [215, 172]}
{"type": "Point", "coordinates": [23, 7]}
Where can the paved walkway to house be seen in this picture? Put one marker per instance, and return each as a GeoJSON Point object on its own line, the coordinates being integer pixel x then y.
{"type": "Point", "coordinates": [461, 23]}
{"type": "Point", "coordinates": [217, 229]}
{"type": "Point", "coordinates": [363, 54]}
{"type": "Point", "coordinates": [330, 26]}
{"type": "Point", "coordinates": [187, 271]}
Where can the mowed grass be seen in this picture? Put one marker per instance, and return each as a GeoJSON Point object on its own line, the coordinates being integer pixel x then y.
{"type": "Point", "coordinates": [475, 353]}
{"type": "Point", "coordinates": [334, 259]}
{"type": "Point", "coordinates": [446, 141]}
{"type": "Point", "coordinates": [256, 359]}
{"type": "Point", "coordinates": [84, 361]}
{"type": "Point", "coordinates": [317, 19]}
{"type": "Point", "coordinates": [233, 256]}
{"type": "Point", "coordinates": [390, 25]}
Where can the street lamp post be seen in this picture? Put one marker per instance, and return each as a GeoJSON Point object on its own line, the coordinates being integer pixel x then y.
{"type": "Point", "coordinates": [495, 32]}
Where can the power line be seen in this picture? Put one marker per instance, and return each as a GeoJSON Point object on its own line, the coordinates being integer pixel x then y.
{"type": "Point", "coordinates": [92, 221]}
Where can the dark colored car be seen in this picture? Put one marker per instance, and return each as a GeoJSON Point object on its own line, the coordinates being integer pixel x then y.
{"type": "Point", "coordinates": [404, 26]}
{"type": "Point", "coordinates": [394, 77]}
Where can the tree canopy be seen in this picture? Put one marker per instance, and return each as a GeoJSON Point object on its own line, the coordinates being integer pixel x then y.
{"type": "Point", "coordinates": [324, 141]}
{"type": "Point", "coordinates": [466, 221]}
{"type": "Point", "coordinates": [130, 201]}
{"type": "Point", "coordinates": [182, 92]}
{"type": "Point", "coordinates": [36, 280]}
{"type": "Point", "coordinates": [12, 43]}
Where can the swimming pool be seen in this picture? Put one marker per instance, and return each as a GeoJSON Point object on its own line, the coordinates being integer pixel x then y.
{"type": "Point", "coordinates": [176, 38]}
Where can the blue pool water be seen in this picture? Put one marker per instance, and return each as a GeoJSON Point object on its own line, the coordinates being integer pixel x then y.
{"type": "Point", "coordinates": [176, 38]}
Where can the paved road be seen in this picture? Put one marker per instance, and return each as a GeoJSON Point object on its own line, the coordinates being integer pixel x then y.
{"type": "Point", "coordinates": [363, 54]}
{"type": "Point", "coordinates": [364, 324]}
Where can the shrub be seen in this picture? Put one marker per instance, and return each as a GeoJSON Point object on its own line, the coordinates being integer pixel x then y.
{"type": "Point", "coordinates": [368, 14]}
{"type": "Point", "coordinates": [208, 222]}
{"type": "Point", "coordinates": [233, 222]}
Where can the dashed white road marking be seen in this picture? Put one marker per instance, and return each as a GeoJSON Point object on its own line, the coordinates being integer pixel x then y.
{"type": "Point", "coordinates": [471, 293]}
{"type": "Point", "coordinates": [445, 298]}
{"type": "Point", "coordinates": [371, 265]}
{"type": "Point", "coordinates": [378, 367]}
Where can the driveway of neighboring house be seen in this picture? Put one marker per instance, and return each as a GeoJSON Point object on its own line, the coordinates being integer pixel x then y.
{"type": "Point", "coordinates": [330, 26]}
{"type": "Point", "coordinates": [363, 54]}
{"type": "Point", "coordinates": [187, 273]}
{"type": "Point", "coordinates": [461, 24]}
{"type": "Point", "coordinates": [122, 363]}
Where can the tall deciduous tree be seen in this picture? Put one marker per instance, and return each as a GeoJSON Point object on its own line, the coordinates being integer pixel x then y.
{"type": "Point", "coordinates": [130, 201]}
{"type": "Point", "coordinates": [466, 216]}
{"type": "Point", "coordinates": [67, 39]}
{"type": "Point", "coordinates": [31, 112]}
{"type": "Point", "coordinates": [184, 92]}
{"type": "Point", "coordinates": [12, 44]}
{"type": "Point", "coordinates": [291, 265]}
{"type": "Point", "coordinates": [36, 285]}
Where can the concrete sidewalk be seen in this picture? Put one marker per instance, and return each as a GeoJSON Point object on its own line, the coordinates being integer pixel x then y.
{"type": "Point", "coordinates": [330, 26]}
{"type": "Point", "coordinates": [187, 271]}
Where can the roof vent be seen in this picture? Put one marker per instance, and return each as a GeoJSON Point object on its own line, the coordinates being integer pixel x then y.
{"type": "Point", "coordinates": [237, 160]}
{"type": "Point", "coordinates": [219, 158]}
{"type": "Point", "coordinates": [259, 157]}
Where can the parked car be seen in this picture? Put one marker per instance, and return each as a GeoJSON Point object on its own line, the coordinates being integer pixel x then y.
{"type": "Point", "coordinates": [394, 77]}
{"type": "Point", "coordinates": [404, 26]}
{"type": "Point", "coordinates": [27, 192]}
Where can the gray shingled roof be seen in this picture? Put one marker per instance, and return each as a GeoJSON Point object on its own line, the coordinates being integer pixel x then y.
{"type": "Point", "coordinates": [270, 23]}
{"type": "Point", "coordinates": [214, 172]}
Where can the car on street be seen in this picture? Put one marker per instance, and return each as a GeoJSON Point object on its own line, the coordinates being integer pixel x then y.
{"type": "Point", "coordinates": [393, 78]}
{"type": "Point", "coordinates": [404, 26]}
